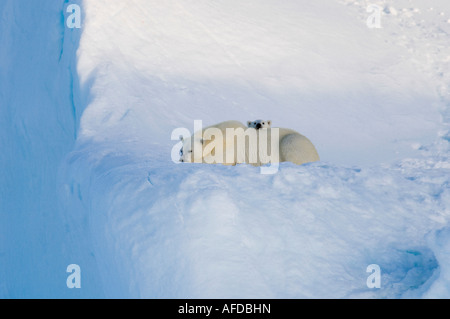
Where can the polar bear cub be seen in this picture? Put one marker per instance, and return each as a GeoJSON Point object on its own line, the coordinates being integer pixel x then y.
{"type": "Point", "coordinates": [257, 124]}
{"type": "Point", "coordinates": [231, 143]}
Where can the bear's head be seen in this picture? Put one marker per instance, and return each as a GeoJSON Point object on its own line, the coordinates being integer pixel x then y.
{"type": "Point", "coordinates": [187, 153]}
{"type": "Point", "coordinates": [257, 124]}
{"type": "Point", "coordinates": [203, 145]}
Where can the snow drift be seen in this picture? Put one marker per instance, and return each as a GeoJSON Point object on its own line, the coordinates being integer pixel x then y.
{"type": "Point", "coordinates": [94, 162]}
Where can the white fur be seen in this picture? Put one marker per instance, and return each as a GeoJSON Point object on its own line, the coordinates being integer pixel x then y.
{"type": "Point", "coordinates": [207, 146]}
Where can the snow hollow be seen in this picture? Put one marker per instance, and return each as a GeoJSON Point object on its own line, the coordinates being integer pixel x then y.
{"type": "Point", "coordinates": [86, 117]}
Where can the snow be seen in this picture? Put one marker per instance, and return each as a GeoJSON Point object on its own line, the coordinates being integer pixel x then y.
{"type": "Point", "coordinates": [86, 122]}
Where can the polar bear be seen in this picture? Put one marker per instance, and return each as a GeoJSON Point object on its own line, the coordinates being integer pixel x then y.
{"type": "Point", "coordinates": [195, 149]}
{"type": "Point", "coordinates": [232, 143]}
{"type": "Point", "coordinates": [257, 124]}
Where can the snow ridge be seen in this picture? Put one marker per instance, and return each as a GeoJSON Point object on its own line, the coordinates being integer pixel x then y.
{"type": "Point", "coordinates": [89, 179]}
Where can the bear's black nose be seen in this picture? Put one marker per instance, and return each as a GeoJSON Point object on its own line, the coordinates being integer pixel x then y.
{"type": "Point", "coordinates": [258, 125]}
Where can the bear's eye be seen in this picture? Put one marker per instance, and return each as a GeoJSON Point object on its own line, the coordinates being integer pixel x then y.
{"type": "Point", "coordinates": [190, 151]}
{"type": "Point", "coordinates": [181, 152]}
{"type": "Point", "coordinates": [264, 122]}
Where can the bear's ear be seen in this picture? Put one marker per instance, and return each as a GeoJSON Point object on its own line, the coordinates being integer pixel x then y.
{"type": "Point", "coordinates": [249, 123]}
{"type": "Point", "coordinates": [269, 122]}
